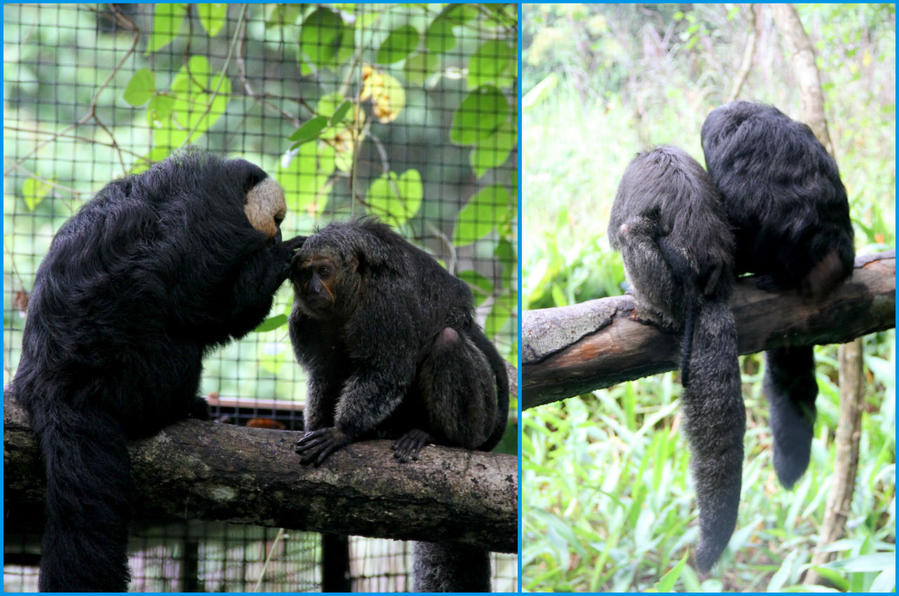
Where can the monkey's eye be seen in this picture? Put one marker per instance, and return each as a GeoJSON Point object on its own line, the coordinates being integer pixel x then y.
{"type": "Point", "coordinates": [324, 271]}
{"type": "Point", "coordinates": [279, 217]}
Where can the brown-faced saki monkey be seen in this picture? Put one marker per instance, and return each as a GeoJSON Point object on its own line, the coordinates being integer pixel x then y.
{"type": "Point", "coordinates": [151, 274]}
{"type": "Point", "coordinates": [788, 209]}
{"type": "Point", "coordinates": [391, 348]}
{"type": "Point", "coordinates": [669, 224]}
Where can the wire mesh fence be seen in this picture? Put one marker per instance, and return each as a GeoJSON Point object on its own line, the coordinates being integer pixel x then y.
{"type": "Point", "coordinates": [404, 112]}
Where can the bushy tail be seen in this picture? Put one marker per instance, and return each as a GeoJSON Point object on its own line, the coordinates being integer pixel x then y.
{"type": "Point", "coordinates": [443, 567]}
{"type": "Point", "coordinates": [87, 507]}
{"type": "Point", "coordinates": [715, 423]}
{"type": "Point", "coordinates": [790, 387]}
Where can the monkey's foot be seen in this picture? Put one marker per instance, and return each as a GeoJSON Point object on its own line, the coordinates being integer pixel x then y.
{"type": "Point", "coordinates": [408, 446]}
{"type": "Point", "coordinates": [316, 445]}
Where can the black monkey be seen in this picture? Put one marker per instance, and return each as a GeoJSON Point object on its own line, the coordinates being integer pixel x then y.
{"type": "Point", "coordinates": [788, 208]}
{"type": "Point", "coordinates": [669, 224]}
{"type": "Point", "coordinates": [153, 272]}
{"type": "Point", "coordinates": [391, 348]}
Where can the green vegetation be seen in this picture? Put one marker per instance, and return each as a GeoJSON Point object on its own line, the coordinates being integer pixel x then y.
{"type": "Point", "coordinates": [608, 500]}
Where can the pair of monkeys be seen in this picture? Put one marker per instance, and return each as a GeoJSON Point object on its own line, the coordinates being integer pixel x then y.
{"type": "Point", "coordinates": [771, 204]}
{"type": "Point", "coordinates": [161, 267]}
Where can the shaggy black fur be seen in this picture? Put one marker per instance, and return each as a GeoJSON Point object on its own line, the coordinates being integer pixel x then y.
{"type": "Point", "coordinates": [788, 207]}
{"type": "Point", "coordinates": [146, 278]}
{"type": "Point", "coordinates": [668, 222]}
{"type": "Point", "coordinates": [388, 338]}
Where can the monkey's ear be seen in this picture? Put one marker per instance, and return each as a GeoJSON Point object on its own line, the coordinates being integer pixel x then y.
{"type": "Point", "coordinates": [265, 207]}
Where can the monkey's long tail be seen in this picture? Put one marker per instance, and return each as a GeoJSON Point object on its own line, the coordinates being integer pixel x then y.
{"type": "Point", "coordinates": [443, 567]}
{"type": "Point", "coordinates": [87, 507]}
{"type": "Point", "coordinates": [715, 423]}
{"type": "Point", "coordinates": [789, 384]}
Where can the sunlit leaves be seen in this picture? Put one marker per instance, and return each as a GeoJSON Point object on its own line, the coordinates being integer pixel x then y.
{"type": "Point", "coordinates": [212, 17]}
{"type": "Point", "coordinates": [395, 198]}
{"type": "Point", "coordinates": [479, 115]}
{"type": "Point", "coordinates": [385, 91]}
{"type": "Point", "coordinates": [141, 87]}
{"type": "Point", "coordinates": [493, 62]}
{"type": "Point", "coordinates": [167, 19]}
{"type": "Point", "coordinates": [399, 43]}
{"type": "Point", "coordinates": [309, 131]}
{"type": "Point", "coordinates": [305, 178]}
{"type": "Point", "coordinates": [439, 37]}
{"type": "Point", "coordinates": [34, 191]}
{"type": "Point", "coordinates": [196, 100]}
{"type": "Point", "coordinates": [482, 213]}
{"type": "Point", "coordinates": [324, 38]}
{"type": "Point", "coordinates": [495, 149]}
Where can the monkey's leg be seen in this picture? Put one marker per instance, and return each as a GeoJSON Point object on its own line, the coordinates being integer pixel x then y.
{"type": "Point", "coordinates": [715, 423]}
{"type": "Point", "coordinates": [369, 396]}
{"type": "Point", "coordinates": [789, 384]}
{"type": "Point", "coordinates": [655, 288]}
{"type": "Point", "coordinates": [458, 387]}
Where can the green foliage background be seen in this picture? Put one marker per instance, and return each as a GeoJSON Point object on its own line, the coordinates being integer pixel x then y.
{"type": "Point", "coordinates": [609, 504]}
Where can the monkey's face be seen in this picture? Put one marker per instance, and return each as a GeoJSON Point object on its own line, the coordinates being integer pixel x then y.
{"type": "Point", "coordinates": [315, 279]}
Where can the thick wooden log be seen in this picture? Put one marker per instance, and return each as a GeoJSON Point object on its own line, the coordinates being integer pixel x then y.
{"type": "Point", "coordinates": [571, 350]}
{"type": "Point", "coordinates": [203, 470]}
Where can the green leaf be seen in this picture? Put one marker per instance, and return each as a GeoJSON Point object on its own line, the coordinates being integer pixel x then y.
{"type": "Point", "coordinates": [34, 191]}
{"type": "Point", "coordinates": [419, 67]}
{"type": "Point", "coordinates": [493, 62]}
{"type": "Point", "coordinates": [305, 178]}
{"type": "Point", "coordinates": [667, 581]}
{"type": "Point", "coordinates": [482, 285]}
{"type": "Point", "coordinates": [481, 214]}
{"type": "Point", "coordinates": [272, 323]}
{"type": "Point", "coordinates": [321, 35]}
{"type": "Point", "coordinates": [439, 37]}
{"type": "Point", "coordinates": [141, 87]}
{"type": "Point", "coordinates": [212, 17]}
{"type": "Point", "coordinates": [167, 19]}
{"type": "Point", "coordinates": [309, 131]}
{"type": "Point", "coordinates": [401, 42]}
{"type": "Point", "coordinates": [282, 14]}
{"type": "Point", "coordinates": [159, 108]}
{"type": "Point", "coordinates": [495, 149]}
{"type": "Point", "coordinates": [503, 308]}
{"type": "Point", "coordinates": [479, 115]}
{"type": "Point", "coordinates": [395, 198]}
{"type": "Point", "coordinates": [194, 107]}
{"type": "Point", "coordinates": [339, 114]}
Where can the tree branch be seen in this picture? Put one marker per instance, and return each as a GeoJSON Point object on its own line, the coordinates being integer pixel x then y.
{"type": "Point", "coordinates": [209, 471]}
{"type": "Point", "coordinates": [571, 350]}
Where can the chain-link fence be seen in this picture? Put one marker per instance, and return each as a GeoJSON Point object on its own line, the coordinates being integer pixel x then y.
{"type": "Point", "coordinates": [405, 112]}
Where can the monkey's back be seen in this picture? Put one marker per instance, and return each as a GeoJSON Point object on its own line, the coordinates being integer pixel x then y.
{"type": "Point", "coordinates": [781, 189]}
{"type": "Point", "coordinates": [130, 294]}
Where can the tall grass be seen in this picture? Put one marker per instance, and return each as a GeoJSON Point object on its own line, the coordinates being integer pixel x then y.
{"type": "Point", "coordinates": [608, 499]}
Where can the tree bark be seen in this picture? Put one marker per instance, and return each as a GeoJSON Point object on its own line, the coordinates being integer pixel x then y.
{"type": "Point", "coordinates": [203, 470]}
{"type": "Point", "coordinates": [575, 349]}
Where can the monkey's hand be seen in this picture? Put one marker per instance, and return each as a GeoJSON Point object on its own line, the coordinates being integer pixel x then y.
{"type": "Point", "coordinates": [408, 446]}
{"type": "Point", "coordinates": [294, 243]}
{"type": "Point", "coordinates": [316, 445]}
